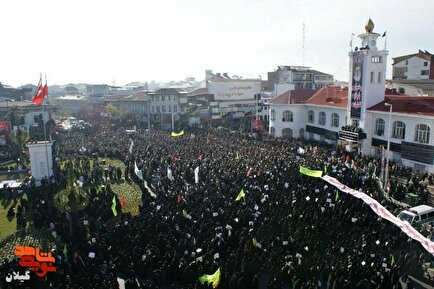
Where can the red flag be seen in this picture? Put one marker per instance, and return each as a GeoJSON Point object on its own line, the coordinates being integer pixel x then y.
{"type": "Point", "coordinates": [39, 95]}
{"type": "Point", "coordinates": [45, 91]}
{"type": "Point", "coordinates": [123, 202]}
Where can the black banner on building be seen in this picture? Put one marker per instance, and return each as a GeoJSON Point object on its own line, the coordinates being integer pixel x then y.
{"type": "Point", "coordinates": [356, 88]}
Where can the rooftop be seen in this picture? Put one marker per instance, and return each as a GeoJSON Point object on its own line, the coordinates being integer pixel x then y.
{"type": "Point", "coordinates": [418, 105]}
{"type": "Point", "coordinates": [336, 96]}
{"type": "Point", "coordinates": [293, 97]}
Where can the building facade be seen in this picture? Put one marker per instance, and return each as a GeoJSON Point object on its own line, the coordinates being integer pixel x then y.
{"type": "Point", "coordinates": [363, 116]}
{"type": "Point", "coordinates": [415, 66]}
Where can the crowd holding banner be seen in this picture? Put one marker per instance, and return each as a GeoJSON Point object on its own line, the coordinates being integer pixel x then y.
{"type": "Point", "coordinates": [255, 212]}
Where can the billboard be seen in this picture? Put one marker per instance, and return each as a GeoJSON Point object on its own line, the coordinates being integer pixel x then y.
{"type": "Point", "coordinates": [356, 87]}
{"type": "Point", "coordinates": [5, 127]}
{"type": "Point", "coordinates": [234, 90]}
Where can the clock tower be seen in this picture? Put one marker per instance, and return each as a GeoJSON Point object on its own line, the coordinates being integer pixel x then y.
{"type": "Point", "coordinates": [367, 78]}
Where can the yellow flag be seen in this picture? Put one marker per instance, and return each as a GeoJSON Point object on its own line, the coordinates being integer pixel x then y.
{"type": "Point", "coordinates": [177, 134]}
{"type": "Point", "coordinates": [213, 279]}
{"type": "Point", "coordinates": [310, 173]}
{"type": "Point", "coordinates": [241, 194]}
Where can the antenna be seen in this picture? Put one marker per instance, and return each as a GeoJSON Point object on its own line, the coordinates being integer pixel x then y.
{"type": "Point", "coordinates": [303, 41]}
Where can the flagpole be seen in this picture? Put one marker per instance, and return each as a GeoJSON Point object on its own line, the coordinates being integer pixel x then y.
{"type": "Point", "coordinates": [45, 135]}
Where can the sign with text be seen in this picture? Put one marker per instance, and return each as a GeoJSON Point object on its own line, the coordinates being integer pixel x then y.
{"type": "Point", "coordinates": [348, 135]}
{"type": "Point", "coordinates": [356, 87]}
{"type": "Point", "coordinates": [234, 90]}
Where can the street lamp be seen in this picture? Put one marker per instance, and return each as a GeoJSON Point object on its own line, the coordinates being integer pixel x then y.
{"type": "Point", "coordinates": [386, 175]}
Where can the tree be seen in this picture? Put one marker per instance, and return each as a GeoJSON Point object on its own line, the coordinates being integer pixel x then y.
{"type": "Point", "coordinates": [20, 139]}
{"type": "Point", "coordinates": [114, 113]}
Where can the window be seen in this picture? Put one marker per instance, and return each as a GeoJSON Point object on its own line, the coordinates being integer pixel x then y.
{"type": "Point", "coordinates": [379, 77]}
{"type": "Point", "coordinates": [163, 98]}
{"type": "Point", "coordinates": [175, 108]}
{"type": "Point", "coordinates": [157, 98]}
{"type": "Point", "coordinates": [272, 114]}
{"type": "Point", "coordinates": [287, 116]}
{"type": "Point", "coordinates": [322, 118]}
{"type": "Point", "coordinates": [422, 133]}
{"type": "Point", "coordinates": [168, 97]}
{"type": "Point", "coordinates": [152, 109]}
{"type": "Point", "coordinates": [168, 107]}
{"type": "Point", "coordinates": [158, 109]}
{"type": "Point", "coordinates": [425, 63]}
{"type": "Point", "coordinates": [174, 98]}
{"type": "Point", "coordinates": [335, 120]}
{"type": "Point", "coordinates": [36, 119]}
{"type": "Point", "coordinates": [372, 77]}
{"type": "Point", "coordinates": [310, 116]}
{"type": "Point", "coordinates": [398, 130]}
{"type": "Point", "coordinates": [424, 72]}
{"type": "Point", "coordinates": [379, 126]}
{"type": "Point", "coordinates": [272, 131]}
{"type": "Point", "coordinates": [287, 133]}
{"type": "Point", "coordinates": [406, 62]}
{"type": "Point", "coordinates": [376, 59]}
{"type": "Point", "coordinates": [163, 108]}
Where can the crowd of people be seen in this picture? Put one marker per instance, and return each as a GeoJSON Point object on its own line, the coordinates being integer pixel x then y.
{"type": "Point", "coordinates": [288, 231]}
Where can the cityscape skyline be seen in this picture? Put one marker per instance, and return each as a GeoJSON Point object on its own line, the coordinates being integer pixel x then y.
{"type": "Point", "coordinates": [87, 42]}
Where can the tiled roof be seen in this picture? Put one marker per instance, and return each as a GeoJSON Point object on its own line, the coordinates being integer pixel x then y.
{"type": "Point", "coordinates": [336, 96]}
{"type": "Point", "coordinates": [293, 96]}
{"type": "Point", "coordinates": [417, 105]}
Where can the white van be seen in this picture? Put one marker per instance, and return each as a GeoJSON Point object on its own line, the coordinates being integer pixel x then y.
{"type": "Point", "coordinates": [417, 216]}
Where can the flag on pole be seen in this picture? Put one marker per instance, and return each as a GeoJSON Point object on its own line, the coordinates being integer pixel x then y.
{"type": "Point", "coordinates": [256, 244]}
{"type": "Point", "coordinates": [196, 175]}
{"type": "Point", "coordinates": [138, 172]}
{"type": "Point", "coordinates": [170, 174]}
{"type": "Point", "coordinates": [184, 213]}
{"type": "Point", "coordinates": [115, 213]}
{"type": "Point", "coordinates": [65, 252]}
{"type": "Point", "coordinates": [310, 173]}
{"type": "Point", "coordinates": [337, 196]}
{"type": "Point", "coordinates": [175, 134]}
{"type": "Point", "coordinates": [123, 201]}
{"type": "Point", "coordinates": [241, 195]}
{"type": "Point", "coordinates": [384, 34]}
{"type": "Point", "coordinates": [38, 98]}
{"type": "Point", "coordinates": [213, 279]}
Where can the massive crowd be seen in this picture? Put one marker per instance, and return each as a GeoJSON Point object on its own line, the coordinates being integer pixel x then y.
{"type": "Point", "coordinates": [307, 235]}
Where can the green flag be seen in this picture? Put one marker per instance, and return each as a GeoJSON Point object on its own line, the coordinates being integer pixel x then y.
{"type": "Point", "coordinates": [213, 279]}
{"type": "Point", "coordinates": [256, 244]}
{"type": "Point", "coordinates": [241, 194]}
{"type": "Point", "coordinates": [237, 157]}
{"type": "Point", "coordinates": [176, 134]}
{"type": "Point", "coordinates": [114, 206]}
{"type": "Point", "coordinates": [184, 213]}
{"type": "Point", "coordinates": [325, 168]}
{"type": "Point", "coordinates": [337, 196]}
{"type": "Point", "coordinates": [392, 261]}
{"type": "Point", "coordinates": [65, 253]}
{"type": "Point", "coordinates": [310, 173]}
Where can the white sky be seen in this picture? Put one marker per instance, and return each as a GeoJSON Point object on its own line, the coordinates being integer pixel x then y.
{"type": "Point", "coordinates": [101, 41]}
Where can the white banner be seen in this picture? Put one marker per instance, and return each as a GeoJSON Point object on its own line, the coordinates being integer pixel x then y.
{"type": "Point", "coordinates": [138, 172]}
{"type": "Point", "coordinates": [196, 175]}
{"type": "Point", "coordinates": [384, 213]}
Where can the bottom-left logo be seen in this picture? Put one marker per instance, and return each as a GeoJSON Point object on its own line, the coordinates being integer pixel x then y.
{"type": "Point", "coordinates": [34, 260]}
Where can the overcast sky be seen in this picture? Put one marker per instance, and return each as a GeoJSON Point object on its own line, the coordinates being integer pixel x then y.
{"type": "Point", "coordinates": [104, 41]}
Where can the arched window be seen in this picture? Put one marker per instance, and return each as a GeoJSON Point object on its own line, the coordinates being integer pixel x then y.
{"type": "Point", "coordinates": [322, 118]}
{"type": "Point", "coordinates": [398, 130]}
{"type": "Point", "coordinates": [422, 133]}
{"type": "Point", "coordinates": [287, 116]}
{"type": "Point", "coordinates": [287, 133]}
{"type": "Point", "coordinates": [301, 133]}
{"type": "Point", "coordinates": [335, 119]}
{"type": "Point", "coordinates": [379, 126]}
{"type": "Point", "coordinates": [310, 116]}
{"type": "Point", "coordinates": [272, 131]}
{"type": "Point", "coordinates": [272, 114]}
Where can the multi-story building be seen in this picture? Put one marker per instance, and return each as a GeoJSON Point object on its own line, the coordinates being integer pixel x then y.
{"type": "Point", "coordinates": [364, 116]}
{"type": "Point", "coordinates": [286, 78]}
{"type": "Point", "coordinates": [417, 66]}
{"type": "Point", "coordinates": [167, 105]}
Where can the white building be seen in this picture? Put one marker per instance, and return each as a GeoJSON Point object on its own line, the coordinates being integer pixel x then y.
{"type": "Point", "coordinates": [415, 66]}
{"type": "Point", "coordinates": [358, 115]}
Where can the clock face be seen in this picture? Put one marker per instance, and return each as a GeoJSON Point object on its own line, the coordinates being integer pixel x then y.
{"type": "Point", "coordinates": [372, 42]}
{"type": "Point", "coordinates": [365, 42]}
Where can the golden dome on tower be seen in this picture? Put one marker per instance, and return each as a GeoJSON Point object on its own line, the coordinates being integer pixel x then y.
{"type": "Point", "coordinates": [369, 26]}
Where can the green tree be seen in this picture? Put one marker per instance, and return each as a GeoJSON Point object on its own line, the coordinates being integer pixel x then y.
{"type": "Point", "coordinates": [20, 139]}
{"type": "Point", "coordinates": [114, 112]}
